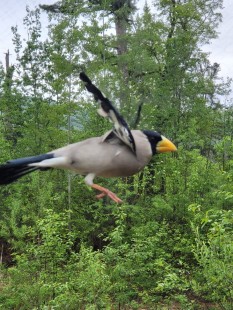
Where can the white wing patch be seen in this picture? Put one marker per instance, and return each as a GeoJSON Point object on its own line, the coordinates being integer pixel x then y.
{"type": "Point", "coordinates": [102, 113]}
{"type": "Point", "coordinates": [118, 153]}
{"type": "Point", "coordinates": [121, 128]}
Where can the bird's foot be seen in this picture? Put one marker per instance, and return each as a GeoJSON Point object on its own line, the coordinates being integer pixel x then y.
{"type": "Point", "coordinates": [106, 192]}
{"type": "Point", "coordinates": [110, 195]}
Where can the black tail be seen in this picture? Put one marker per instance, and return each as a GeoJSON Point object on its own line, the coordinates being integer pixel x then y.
{"type": "Point", "coordinates": [15, 169]}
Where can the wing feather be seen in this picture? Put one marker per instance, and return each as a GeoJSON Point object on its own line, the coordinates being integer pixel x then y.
{"type": "Point", "coordinates": [121, 128]}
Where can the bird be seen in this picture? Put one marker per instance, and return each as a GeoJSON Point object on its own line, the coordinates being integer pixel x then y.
{"type": "Point", "coordinates": [119, 152]}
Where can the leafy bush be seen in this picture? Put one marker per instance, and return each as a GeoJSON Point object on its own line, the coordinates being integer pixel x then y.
{"type": "Point", "coordinates": [214, 253]}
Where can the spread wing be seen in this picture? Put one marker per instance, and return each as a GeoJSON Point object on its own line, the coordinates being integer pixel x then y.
{"type": "Point", "coordinates": [121, 128]}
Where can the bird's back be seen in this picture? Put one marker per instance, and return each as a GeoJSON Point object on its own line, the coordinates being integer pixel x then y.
{"type": "Point", "coordinates": [106, 157]}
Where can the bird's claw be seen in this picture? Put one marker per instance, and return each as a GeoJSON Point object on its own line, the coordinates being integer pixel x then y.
{"type": "Point", "coordinates": [106, 192]}
{"type": "Point", "coordinates": [100, 195]}
{"type": "Point", "coordinates": [110, 195]}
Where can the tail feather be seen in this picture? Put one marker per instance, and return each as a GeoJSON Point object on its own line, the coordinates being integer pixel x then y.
{"type": "Point", "coordinates": [8, 175]}
{"type": "Point", "coordinates": [17, 168]}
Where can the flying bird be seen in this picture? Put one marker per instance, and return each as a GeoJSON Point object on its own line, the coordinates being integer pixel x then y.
{"type": "Point", "coordinates": [120, 152]}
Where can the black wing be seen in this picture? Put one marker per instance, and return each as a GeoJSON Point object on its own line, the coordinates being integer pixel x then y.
{"type": "Point", "coordinates": [121, 128]}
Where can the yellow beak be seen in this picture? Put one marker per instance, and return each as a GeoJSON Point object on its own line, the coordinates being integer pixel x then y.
{"type": "Point", "coordinates": [165, 145]}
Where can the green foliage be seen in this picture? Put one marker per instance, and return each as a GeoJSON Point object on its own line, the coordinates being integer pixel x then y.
{"type": "Point", "coordinates": [49, 272]}
{"type": "Point", "coordinates": [170, 243]}
{"type": "Point", "coordinates": [215, 255]}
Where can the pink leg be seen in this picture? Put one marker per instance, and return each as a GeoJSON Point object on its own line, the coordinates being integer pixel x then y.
{"type": "Point", "coordinates": [106, 192]}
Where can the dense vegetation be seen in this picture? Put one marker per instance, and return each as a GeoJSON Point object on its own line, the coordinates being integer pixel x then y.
{"type": "Point", "coordinates": [170, 244]}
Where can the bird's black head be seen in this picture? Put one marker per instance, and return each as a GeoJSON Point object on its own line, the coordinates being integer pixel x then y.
{"type": "Point", "coordinates": [159, 144]}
